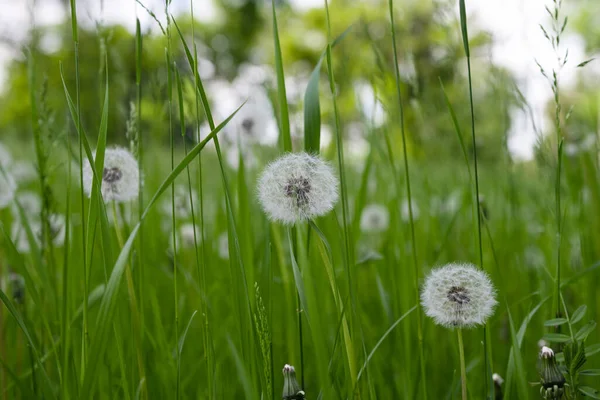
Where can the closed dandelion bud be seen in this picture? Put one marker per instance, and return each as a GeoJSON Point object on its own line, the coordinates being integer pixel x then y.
{"type": "Point", "coordinates": [458, 295]}
{"type": "Point", "coordinates": [297, 187]}
{"type": "Point", "coordinates": [17, 286]}
{"type": "Point", "coordinates": [552, 379]}
{"type": "Point", "coordinates": [120, 176]}
{"type": "Point", "coordinates": [291, 389]}
{"type": "Point", "coordinates": [498, 381]}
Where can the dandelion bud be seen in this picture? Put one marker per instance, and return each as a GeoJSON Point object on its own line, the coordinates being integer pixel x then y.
{"type": "Point", "coordinates": [498, 381]}
{"type": "Point", "coordinates": [18, 287]}
{"type": "Point", "coordinates": [458, 295]}
{"type": "Point", "coordinates": [291, 389]}
{"type": "Point", "coordinates": [120, 176]}
{"type": "Point", "coordinates": [297, 187]}
{"type": "Point", "coordinates": [552, 379]}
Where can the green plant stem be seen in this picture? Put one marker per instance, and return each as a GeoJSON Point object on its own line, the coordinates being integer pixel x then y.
{"type": "Point", "coordinates": [463, 368]}
{"type": "Point", "coordinates": [133, 305]}
{"type": "Point", "coordinates": [410, 209]}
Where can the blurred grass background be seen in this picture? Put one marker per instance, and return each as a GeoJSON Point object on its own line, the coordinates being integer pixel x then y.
{"type": "Point", "coordinates": [233, 314]}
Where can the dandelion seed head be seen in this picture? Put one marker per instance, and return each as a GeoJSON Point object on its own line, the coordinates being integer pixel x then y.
{"type": "Point", "coordinates": [497, 379]}
{"type": "Point", "coordinates": [30, 202]}
{"type": "Point", "coordinates": [374, 218]}
{"type": "Point", "coordinates": [458, 295]}
{"type": "Point", "coordinates": [297, 187]}
{"type": "Point", "coordinates": [184, 200]}
{"type": "Point", "coordinates": [185, 236]}
{"type": "Point", "coordinates": [405, 210]}
{"type": "Point", "coordinates": [57, 231]}
{"type": "Point", "coordinates": [546, 352]}
{"type": "Point", "coordinates": [23, 172]}
{"type": "Point", "coordinates": [120, 176]}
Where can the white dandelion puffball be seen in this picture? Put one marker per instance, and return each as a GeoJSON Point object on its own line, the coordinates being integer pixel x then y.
{"type": "Point", "coordinates": [185, 199]}
{"type": "Point", "coordinates": [57, 233]}
{"type": "Point", "coordinates": [120, 177]}
{"type": "Point", "coordinates": [405, 210]}
{"type": "Point", "coordinates": [185, 236]}
{"type": "Point", "coordinates": [374, 218]}
{"type": "Point", "coordinates": [7, 189]}
{"type": "Point", "coordinates": [23, 172]}
{"type": "Point", "coordinates": [458, 295]}
{"type": "Point", "coordinates": [297, 186]}
{"type": "Point", "coordinates": [30, 202]}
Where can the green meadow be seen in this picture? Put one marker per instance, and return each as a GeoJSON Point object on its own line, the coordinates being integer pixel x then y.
{"type": "Point", "coordinates": [140, 257]}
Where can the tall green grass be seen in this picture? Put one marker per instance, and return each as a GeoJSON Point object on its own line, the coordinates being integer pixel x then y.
{"type": "Point", "coordinates": [117, 312]}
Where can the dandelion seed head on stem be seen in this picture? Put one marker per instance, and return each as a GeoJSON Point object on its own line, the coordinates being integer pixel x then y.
{"type": "Point", "coordinates": [458, 295]}
{"type": "Point", "coordinates": [120, 176]}
{"type": "Point", "coordinates": [297, 187]}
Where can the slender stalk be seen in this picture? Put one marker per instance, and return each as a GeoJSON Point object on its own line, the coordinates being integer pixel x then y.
{"type": "Point", "coordinates": [201, 264]}
{"type": "Point", "coordinates": [84, 342]}
{"type": "Point", "coordinates": [410, 209]}
{"type": "Point", "coordinates": [463, 368]}
{"type": "Point", "coordinates": [348, 247]}
{"type": "Point", "coordinates": [133, 305]}
{"type": "Point", "coordinates": [465, 36]}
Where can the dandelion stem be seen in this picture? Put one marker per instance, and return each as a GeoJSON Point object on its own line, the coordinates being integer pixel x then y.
{"type": "Point", "coordinates": [463, 368]}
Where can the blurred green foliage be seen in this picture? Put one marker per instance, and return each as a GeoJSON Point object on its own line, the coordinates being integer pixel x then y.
{"type": "Point", "coordinates": [429, 46]}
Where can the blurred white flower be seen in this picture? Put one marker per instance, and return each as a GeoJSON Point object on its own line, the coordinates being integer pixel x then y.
{"type": "Point", "coordinates": [57, 232]}
{"type": "Point", "coordinates": [374, 218]}
{"type": "Point", "coordinates": [184, 201]}
{"type": "Point", "coordinates": [5, 157]}
{"type": "Point", "coordinates": [232, 156]}
{"type": "Point", "coordinates": [23, 172]}
{"type": "Point", "coordinates": [30, 202]}
{"type": "Point", "coordinates": [254, 123]}
{"type": "Point", "coordinates": [405, 210]}
{"type": "Point", "coordinates": [7, 189]}
{"type": "Point", "coordinates": [185, 236]}
{"type": "Point", "coordinates": [458, 295]}
{"type": "Point", "coordinates": [356, 143]}
{"type": "Point", "coordinates": [120, 177]}
{"type": "Point", "coordinates": [297, 186]}
{"type": "Point", "coordinates": [223, 246]}
{"type": "Point", "coordinates": [369, 104]}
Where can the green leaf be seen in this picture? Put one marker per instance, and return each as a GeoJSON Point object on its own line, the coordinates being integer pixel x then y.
{"type": "Point", "coordinates": [578, 314]}
{"type": "Point", "coordinates": [590, 372]}
{"type": "Point", "coordinates": [463, 27]}
{"type": "Point", "coordinates": [555, 322]}
{"type": "Point", "coordinates": [312, 112]}
{"type": "Point", "coordinates": [590, 392]}
{"type": "Point", "coordinates": [284, 118]}
{"type": "Point", "coordinates": [585, 330]}
{"type": "Point", "coordinates": [592, 349]}
{"type": "Point", "coordinates": [556, 337]}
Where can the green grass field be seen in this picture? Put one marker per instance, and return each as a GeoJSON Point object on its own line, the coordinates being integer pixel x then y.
{"type": "Point", "coordinates": [188, 290]}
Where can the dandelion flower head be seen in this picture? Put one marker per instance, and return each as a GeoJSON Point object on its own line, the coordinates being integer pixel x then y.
{"type": "Point", "coordinates": [296, 187]}
{"type": "Point", "coordinates": [458, 295]}
{"type": "Point", "coordinates": [120, 176]}
{"type": "Point", "coordinates": [374, 218]}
